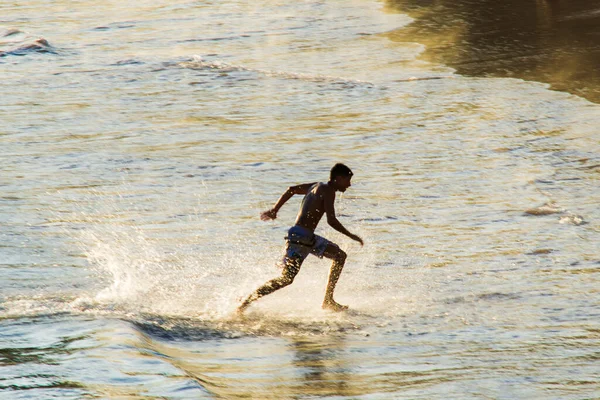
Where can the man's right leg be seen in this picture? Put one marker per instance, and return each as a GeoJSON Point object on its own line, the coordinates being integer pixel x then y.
{"type": "Point", "coordinates": [291, 268]}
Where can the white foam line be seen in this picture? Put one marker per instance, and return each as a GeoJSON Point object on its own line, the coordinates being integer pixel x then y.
{"type": "Point", "coordinates": [198, 62]}
{"type": "Point", "coordinates": [424, 78]}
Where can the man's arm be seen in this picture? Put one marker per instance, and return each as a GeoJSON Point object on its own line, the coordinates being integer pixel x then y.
{"type": "Point", "coordinates": [332, 219]}
{"type": "Point", "coordinates": [288, 194]}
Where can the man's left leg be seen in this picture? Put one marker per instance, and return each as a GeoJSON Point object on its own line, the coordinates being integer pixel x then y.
{"type": "Point", "coordinates": [338, 256]}
{"type": "Point", "coordinates": [290, 270]}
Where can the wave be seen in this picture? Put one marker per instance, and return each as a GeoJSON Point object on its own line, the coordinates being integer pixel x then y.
{"type": "Point", "coordinates": [197, 62]}
{"type": "Point", "coordinates": [186, 327]}
{"type": "Point", "coordinates": [182, 328]}
{"type": "Point", "coordinates": [551, 208]}
{"type": "Point", "coordinates": [17, 43]}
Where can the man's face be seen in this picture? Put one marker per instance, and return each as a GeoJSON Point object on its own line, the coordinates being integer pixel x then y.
{"type": "Point", "coordinates": [343, 183]}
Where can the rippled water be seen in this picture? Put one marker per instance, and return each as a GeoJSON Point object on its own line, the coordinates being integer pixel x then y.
{"type": "Point", "coordinates": [141, 141]}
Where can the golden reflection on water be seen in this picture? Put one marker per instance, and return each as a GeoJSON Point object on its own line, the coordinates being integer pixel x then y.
{"type": "Point", "coordinates": [297, 367]}
{"type": "Point", "coordinates": [549, 41]}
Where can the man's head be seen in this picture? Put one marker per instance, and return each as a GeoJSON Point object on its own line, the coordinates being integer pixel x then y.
{"type": "Point", "coordinates": [340, 176]}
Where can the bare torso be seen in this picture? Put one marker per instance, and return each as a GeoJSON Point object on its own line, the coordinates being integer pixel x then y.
{"type": "Point", "coordinates": [313, 205]}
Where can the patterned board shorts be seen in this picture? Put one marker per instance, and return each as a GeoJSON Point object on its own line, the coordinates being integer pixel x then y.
{"type": "Point", "coordinates": [300, 242]}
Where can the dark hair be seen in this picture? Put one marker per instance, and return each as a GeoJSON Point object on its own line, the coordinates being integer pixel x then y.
{"type": "Point", "coordinates": [339, 170]}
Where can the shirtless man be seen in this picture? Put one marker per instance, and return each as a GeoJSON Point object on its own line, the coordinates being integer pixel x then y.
{"type": "Point", "coordinates": [301, 240]}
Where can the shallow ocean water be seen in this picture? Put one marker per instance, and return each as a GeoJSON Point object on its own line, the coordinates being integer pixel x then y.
{"type": "Point", "coordinates": [141, 141]}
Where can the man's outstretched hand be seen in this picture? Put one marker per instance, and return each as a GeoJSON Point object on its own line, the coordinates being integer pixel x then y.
{"type": "Point", "coordinates": [269, 214]}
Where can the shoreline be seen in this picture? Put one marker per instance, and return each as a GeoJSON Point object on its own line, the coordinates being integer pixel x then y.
{"type": "Point", "coordinates": [548, 41]}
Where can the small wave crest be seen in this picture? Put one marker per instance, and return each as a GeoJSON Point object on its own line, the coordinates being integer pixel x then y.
{"type": "Point", "coordinates": [197, 62]}
{"type": "Point", "coordinates": [18, 43]}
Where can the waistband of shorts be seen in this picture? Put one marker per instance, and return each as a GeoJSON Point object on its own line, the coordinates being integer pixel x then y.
{"type": "Point", "coordinates": [300, 231]}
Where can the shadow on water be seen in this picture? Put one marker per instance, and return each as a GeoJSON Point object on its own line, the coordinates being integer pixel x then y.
{"type": "Point", "coordinates": [551, 41]}
{"type": "Point", "coordinates": [193, 329]}
{"type": "Point", "coordinates": [181, 329]}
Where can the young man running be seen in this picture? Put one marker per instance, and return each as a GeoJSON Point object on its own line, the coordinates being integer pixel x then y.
{"type": "Point", "coordinates": [301, 241]}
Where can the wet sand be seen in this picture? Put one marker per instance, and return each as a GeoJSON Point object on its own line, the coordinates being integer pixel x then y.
{"type": "Point", "coordinates": [551, 41]}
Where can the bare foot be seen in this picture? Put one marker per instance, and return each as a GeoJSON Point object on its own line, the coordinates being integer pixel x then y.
{"type": "Point", "coordinates": [333, 306]}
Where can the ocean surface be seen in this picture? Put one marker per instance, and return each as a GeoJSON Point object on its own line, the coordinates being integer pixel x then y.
{"type": "Point", "coordinates": [139, 142]}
